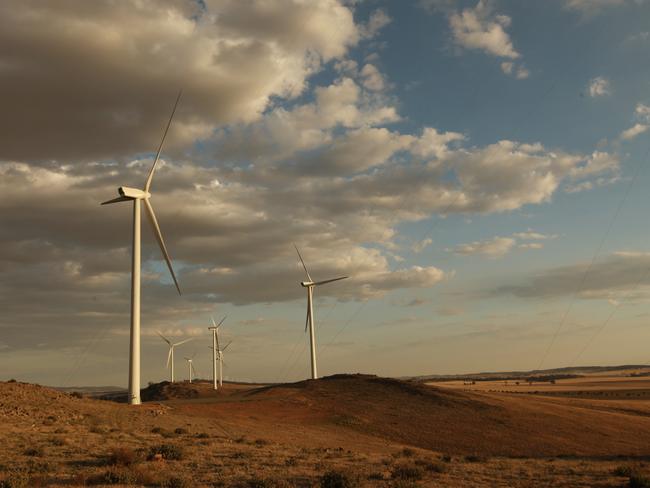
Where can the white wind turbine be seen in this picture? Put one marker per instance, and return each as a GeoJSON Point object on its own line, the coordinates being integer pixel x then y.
{"type": "Point", "coordinates": [170, 356]}
{"type": "Point", "coordinates": [190, 367]}
{"type": "Point", "coordinates": [221, 363]}
{"type": "Point", "coordinates": [135, 195]}
{"type": "Point", "coordinates": [215, 350]}
{"type": "Point", "coordinates": [310, 284]}
{"type": "Point", "coordinates": [219, 357]}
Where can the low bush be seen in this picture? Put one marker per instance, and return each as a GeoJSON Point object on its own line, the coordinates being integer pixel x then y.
{"type": "Point", "coordinates": [407, 472]}
{"type": "Point", "coordinates": [336, 479]}
{"type": "Point", "coordinates": [175, 482]}
{"type": "Point", "coordinates": [638, 480]}
{"type": "Point", "coordinates": [474, 458]}
{"type": "Point", "coordinates": [123, 456]}
{"type": "Point", "coordinates": [408, 452]}
{"type": "Point", "coordinates": [180, 431]}
{"type": "Point", "coordinates": [34, 451]}
{"type": "Point", "coordinates": [166, 451]}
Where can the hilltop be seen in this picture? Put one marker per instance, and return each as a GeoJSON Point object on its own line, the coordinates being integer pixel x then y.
{"type": "Point", "coordinates": [292, 434]}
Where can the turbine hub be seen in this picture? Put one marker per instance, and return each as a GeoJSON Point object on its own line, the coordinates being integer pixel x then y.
{"type": "Point", "coordinates": [134, 193]}
{"type": "Point", "coordinates": [306, 284]}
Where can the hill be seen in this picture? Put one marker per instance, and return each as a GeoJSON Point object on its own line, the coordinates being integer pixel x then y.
{"type": "Point", "coordinates": [370, 426]}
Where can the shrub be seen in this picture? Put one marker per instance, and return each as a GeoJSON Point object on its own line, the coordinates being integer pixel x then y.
{"type": "Point", "coordinates": [408, 452]}
{"type": "Point", "coordinates": [336, 479]}
{"type": "Point", "coordinates": [261, 442]}
{"type": "Point", "coordinates": [445, 458]}
{"type": "Point", "coordinates": [202, 435]}
{"type": "Point", "coordinates": [474, 458]}
{"type": "Point", "coordinates": [405, 472]}
{"type": "Point", "coordinates": [76, 394]}
{"type": "Point", "coordinates": [57, 441]}
{"type": "Point", "coordinates": [622, 471]}
{"type": "Point", "coordinates": [259, 483]}
{"type": "Point", "coordinates": [34, 451]}
{"type": "Point", "coordinates": [120, 475]}
{"type": "Point", "coordinates": [180, 431]}
{"type": "Point", "coordinates": [157, 430]}
{"type": "Point", "coordinates": [14, 480]}
{"type": "Point", "coordinates": [175, 482]}
{"type": "Point", "coordinates": [434, 467]}
{"type": "Point", "coordinates": [166, 451]}
{"type": "Point", "coordinates": [638, 480]}
{"type": "Point", "coordinates": [122, 456]}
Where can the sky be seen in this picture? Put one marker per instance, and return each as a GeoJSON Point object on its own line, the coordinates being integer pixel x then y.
{"type": "Point", "coordinates": [479, 169]}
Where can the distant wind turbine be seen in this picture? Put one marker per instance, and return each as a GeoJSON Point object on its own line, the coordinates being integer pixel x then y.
{"type": "Point", "coordinates": [132, 194]}
{"type": "Point", "coordinates": [215, 350]}
{"type": "Point", "coordinates": [170, 356]}
{"type": "Point", "coordinates": [220, 359]}
{"type": "Point", "coordinates": [310, 284]}
{"type": "Point", "coordinates": [190, 367]}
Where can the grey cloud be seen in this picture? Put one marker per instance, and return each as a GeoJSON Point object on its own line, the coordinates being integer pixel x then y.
{"type": "Point", "coordinates": [623, 275]}
{"type": "Point", "coordinates": [96, 79]}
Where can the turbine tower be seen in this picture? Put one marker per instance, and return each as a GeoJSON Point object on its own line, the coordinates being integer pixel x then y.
{"type": "Point", "coordinates": [190, 367]}
{"type": "Point", "coordinates": [221, 363]}
{"type": "Point", "coordinates": [219, 356]}
{"type": "Point", "coordinates": [136, 196]}
{"type": "Point", "coordinates": [170, 356]}
{"type": "Point", "coordinates": [215, 349]}
{"type": "Point", "coordinates": [309, 321]}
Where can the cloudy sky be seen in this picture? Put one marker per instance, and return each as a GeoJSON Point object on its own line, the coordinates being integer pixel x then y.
{"type": "Point", "coordinates": [478, 169]}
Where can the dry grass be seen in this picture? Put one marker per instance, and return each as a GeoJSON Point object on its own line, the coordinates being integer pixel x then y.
{"type": "Point", "coordinates": [264, 440]}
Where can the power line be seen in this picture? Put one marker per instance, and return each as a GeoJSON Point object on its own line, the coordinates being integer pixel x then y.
{"type": "Point", "coordinates": [593, 260]}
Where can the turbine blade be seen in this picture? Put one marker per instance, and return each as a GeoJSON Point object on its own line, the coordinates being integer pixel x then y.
{"type": "Point", "coordinates": [159, 238]}
{"type": "Point", "coordinates": [117, 200]}
{"type": "Point", "coordinates": [164, 338]}
{"type": "Point", "coordinates": [183, 342]}
{"type": "Point", "coordinates": [303, 263]}
{"type": "Point", "coordinates": [218, 346]}
{"type": "Point", "coordinates": [329, 281]}
{"type": "Point", "coordinates": [147, 185]}
{"type": "Point", "coordinates": [169, 357]}
{"type": "Point", "coordinates": [225, 317]}
{"type": "Point", "coordinates": [213, 322]}
{"type": "Point", "coordinates": [226, 346]}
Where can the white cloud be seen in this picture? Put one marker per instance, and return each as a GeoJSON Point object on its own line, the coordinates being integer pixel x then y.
{"type": "Point", "coordinates": [531, 235]}
{"type": "Point", "coordinates": [492, 248]}
{"type": "Point", "coordinates": [590, 7]}
{"type": "Point", "coordinates": [632, 132]}
{"type": "Point", "coordinates": [642, 112]}
{"type": "Point", "coordinates": [372, 78]}
{"type": "Point", "coordinates": [599, 87]}
{"type": "Point", "coordinates": [531, 245]}
{"type": "Point", "coordinates": [479, 28]}
{"type": "Point", "coordinates": [642, 115]}
{"type": "Point", "coordinates": [377, 21]}
{"type": "Point", "coordinates": [420, 246]}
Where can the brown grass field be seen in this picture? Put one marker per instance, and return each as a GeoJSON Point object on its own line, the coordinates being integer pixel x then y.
{"type": "Point", "coordinates": [339, 431]}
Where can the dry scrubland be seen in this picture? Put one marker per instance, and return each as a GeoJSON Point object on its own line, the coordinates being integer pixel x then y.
{"type": "Point", "coordinates": [341, 431]}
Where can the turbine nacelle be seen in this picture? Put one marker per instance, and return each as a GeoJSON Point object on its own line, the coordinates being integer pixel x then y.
{"type": "Point", "coordinates": [307, 283]}
{"type": "Point", "coordinates": [133, 193]}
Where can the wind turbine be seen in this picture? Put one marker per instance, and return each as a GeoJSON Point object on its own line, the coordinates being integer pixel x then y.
{"type": "Point", "coordinates": [190, 367]}
{"type": "Point", "coordinates": [215, 349]}
{"type": "Point", "coordinates": [221, 363]}
{"type": "Point", "coordinates": [132, 194]}
{"type": "Point", "coordinates": [170, 356]}
{"type": "Point", "coordinates": [309, 321]}
{"type": "Point", "coordinates": [219, 355]}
